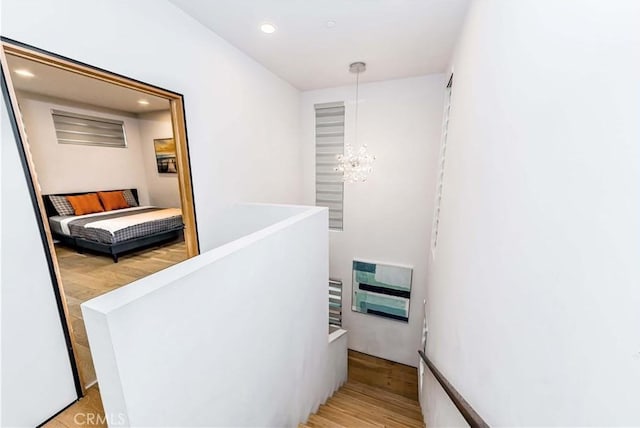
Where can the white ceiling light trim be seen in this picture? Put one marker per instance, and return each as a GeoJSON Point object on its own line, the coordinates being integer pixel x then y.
{"type": "Point", "coordinates": [268, 28]}
{"type": "Point", "coordinates": [23, 72]}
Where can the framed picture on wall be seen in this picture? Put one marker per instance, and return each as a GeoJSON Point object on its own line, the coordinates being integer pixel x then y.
{"type": "Point", "coordinates": [166, 159]}
{"type": "Point", "coordinates": [382, 290]}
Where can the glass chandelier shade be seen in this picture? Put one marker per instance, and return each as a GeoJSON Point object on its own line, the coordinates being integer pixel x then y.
{"type": "Point", "coordinates": [355, 165]}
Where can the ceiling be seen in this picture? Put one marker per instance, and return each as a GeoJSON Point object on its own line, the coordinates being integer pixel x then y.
{"type": "Point", "coordinates": [54, 82]}
{"type": "Point", "coordinates": [396, 38]}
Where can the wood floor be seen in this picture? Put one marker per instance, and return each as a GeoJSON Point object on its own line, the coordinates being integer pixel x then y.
{"type": "Point", "coordinates": [359, 403]}
{"type": "Point", "coordinates": [384, 374]}
{"type": "Point", "coordinates": [85, 276]}
{"type": "Point", "coordinates": [87, 412]}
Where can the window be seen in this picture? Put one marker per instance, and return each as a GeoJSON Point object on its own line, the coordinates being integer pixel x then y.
{"type": "Point", "coordinates": [443, 153]}
{"type": "Point", "coordinates": [329, 144]}
{"type": "Point", "coordinates": [72, 128]}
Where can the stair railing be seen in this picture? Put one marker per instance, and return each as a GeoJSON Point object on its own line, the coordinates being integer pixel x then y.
{"type": "Point", "coordinates": [468, 413]}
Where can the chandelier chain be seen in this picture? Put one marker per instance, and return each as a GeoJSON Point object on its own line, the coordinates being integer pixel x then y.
{"type": "Point", "coordinates": [357, 104]}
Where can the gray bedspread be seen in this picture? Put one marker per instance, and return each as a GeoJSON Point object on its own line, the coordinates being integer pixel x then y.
{"type": "Point", "coordinates": [77, 227]}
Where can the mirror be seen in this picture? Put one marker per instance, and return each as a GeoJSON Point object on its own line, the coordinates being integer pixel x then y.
{"type": "Point", "coordinates": [108, 159]}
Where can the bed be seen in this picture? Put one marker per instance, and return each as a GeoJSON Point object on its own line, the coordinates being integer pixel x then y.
{"type": "Point", "coordinates": [116, 231]}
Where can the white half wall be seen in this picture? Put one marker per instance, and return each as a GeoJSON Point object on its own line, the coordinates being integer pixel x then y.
{"type": "Point", "coordinates": [162, 188]}
{"type": "Point", "coordinates": [237, 336]}
{"type": "Point", "coordinates": [35, 367]}
{"type": "Point", "coordinates": [388, 218]}
{"type": "Point", "coordinates": [66, 168]}
{"type": "Point", "coordinates": [337, 364]}
{"type": "Point", "coordinates": [533, 295]}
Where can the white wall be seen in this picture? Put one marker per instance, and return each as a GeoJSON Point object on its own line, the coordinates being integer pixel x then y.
{"type": "Point", "coordinates": [65, 168]}
{"type": "Point", "coordinates": [242, 122]}
{"type": "Point", "coordinates": [437, 407]}
{"type": "Point", "coordinates": [533, 295]}
{"type": "Point", "coordinates": [162, 188]}
{"type": "Point", "coordinates": [236, 336]}
{"type": "Point", "coordinates": [35, 370]}
{"type": "Point", "coordinates": [387, 218]}
{"type": "Point", "coordinates": [240, 220]}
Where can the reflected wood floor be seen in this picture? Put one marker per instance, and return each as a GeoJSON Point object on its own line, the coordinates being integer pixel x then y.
{"type": "Point", "coordinates": [86, 412]}
{"type": "Point", "coordinates": [85, 276]}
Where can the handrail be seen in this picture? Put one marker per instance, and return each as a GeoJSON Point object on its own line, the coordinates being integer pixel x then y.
{"type": "Point", "coordinates": [471, 416]}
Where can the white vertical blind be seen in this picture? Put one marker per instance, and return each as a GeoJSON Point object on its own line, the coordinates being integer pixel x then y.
{"type": "Point", "coordinates": [329, 144]}
{"type": "Point", "coordinates": [443, 154]}
{"type": "Point", "coordinates": [72, 128]}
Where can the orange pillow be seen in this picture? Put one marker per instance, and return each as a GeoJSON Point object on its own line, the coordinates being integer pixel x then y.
{"type": "Point", "coordinates": [85, 204]}
{"type": "Point", "coordinates": [113, 200]}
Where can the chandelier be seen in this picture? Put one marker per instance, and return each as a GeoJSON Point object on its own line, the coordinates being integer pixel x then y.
{"type": "Point", "coordinates": [355, 165]}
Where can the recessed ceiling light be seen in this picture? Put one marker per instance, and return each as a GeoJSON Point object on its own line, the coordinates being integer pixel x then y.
{"type": "Point", "coordinates": [331, 24]}
{"type": "Point", "coordinates": [143, 102]}
{"type": "Point", "coordinates": [268, 28]}
{"type": "Point", "coordinates": [24, 73]}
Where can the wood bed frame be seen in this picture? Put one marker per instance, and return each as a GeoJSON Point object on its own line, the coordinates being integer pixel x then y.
{"type": "Point", "coordinates": [116, 249]}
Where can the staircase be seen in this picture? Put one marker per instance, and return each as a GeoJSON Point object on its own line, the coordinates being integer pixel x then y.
{"type": "Point", "coordinates": [360, 405]}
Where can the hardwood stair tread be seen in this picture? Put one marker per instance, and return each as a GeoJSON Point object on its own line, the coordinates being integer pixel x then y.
{"type": "Point", "coordinates": [318, 421]}
{"type": "Point", "coordinates": [379, 409]}
{"type": "Point", "coordinates": [364, 417]}
{"type": "Point", "coordinates": [372, 413]}
{"type": "Point", "coordinates": [381, 394]}
{"type": "Point", "coordinates": [365, 400]}
{"type": "Point", "coordinates": [403, 409]}
{"type": "Point", "coordinates": [343, 418]}
{"type": "Point", "coordinates": [375, 395]}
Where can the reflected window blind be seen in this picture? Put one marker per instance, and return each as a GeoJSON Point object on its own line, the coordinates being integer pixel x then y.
{"type": "Point", "coordinates": [443, 154]}
{"type": "Point", "coordinates": [329, 144]}
{"type": "Point", "coordinates": [72, 128]}
{"type": "Point", "coordinates": [335, 302]}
